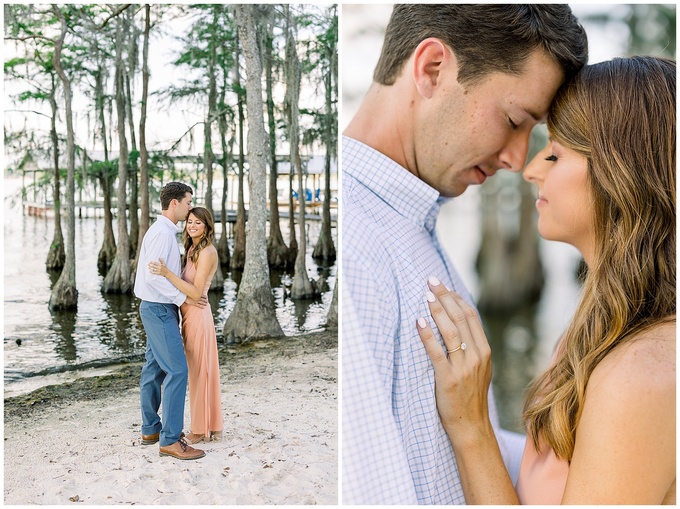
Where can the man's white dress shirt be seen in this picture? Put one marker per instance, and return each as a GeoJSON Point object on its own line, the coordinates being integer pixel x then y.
{"type": "Point", "coordinates": [160, 241]}
{"type": "Point", "coordinates": [395, 450]}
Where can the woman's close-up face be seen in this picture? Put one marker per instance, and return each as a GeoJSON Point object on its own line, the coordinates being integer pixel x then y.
{"type": "Point", "coordinates": [195, 227]}
{"type": "Point", "coordinates": [565, 202]}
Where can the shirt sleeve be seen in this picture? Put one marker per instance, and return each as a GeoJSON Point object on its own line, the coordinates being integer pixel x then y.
{"type": "Point", "coordinates": [159, 247]}
{"type": "Point", "coordinates": [374, 463]}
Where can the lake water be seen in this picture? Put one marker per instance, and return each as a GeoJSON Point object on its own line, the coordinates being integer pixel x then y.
{"type": "Point", "coordinates": [106, 329]}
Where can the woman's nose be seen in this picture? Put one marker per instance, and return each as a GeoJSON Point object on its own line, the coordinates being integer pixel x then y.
{"type": "Point", "coordinates": [535, 170]}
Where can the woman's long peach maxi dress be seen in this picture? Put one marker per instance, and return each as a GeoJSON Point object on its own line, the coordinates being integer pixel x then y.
{"type": "Point", "coordinates": [200, 346]}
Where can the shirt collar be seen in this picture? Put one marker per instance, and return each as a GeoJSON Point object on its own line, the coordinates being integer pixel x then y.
{"type": "Point", "coordinates": [394, 184]}
{"type": "Point", "coordinates": [164, 220]}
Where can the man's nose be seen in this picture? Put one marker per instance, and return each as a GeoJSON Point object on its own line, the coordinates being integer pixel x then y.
{"type": "Point", "coordinates": [514, 154]}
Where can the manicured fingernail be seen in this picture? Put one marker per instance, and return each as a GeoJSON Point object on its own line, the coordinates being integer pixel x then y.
{"type": "Point", "coordinates": [422, 323]}
{"type": "Point", "coordinates": [434, 281]}
{"type": "Point", "coordinates": [430, 297]}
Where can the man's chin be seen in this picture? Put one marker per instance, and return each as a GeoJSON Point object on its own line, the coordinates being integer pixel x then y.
{"type": "Point", "coordinates": [454, 191]}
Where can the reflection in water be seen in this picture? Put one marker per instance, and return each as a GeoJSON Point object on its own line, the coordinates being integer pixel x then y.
{"type": "Point", "coordinates": [122, 323]}
{"type": "Point", "coordinates": [106, 327]}
{"type": "Point", "coordinates": [64, 324]}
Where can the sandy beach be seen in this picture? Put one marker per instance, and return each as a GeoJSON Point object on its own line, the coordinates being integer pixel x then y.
{"type": "Point", "coordinates": [81, 443]}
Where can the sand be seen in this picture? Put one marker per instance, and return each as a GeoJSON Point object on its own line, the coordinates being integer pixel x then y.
{"type": "Point", "coordinates": [280, 446]}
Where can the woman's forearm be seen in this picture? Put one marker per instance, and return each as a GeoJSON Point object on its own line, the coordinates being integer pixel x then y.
{"type": "Point", "coordinates": [483, 475]}
{"type": "Point", "coordinates": [183, 286]}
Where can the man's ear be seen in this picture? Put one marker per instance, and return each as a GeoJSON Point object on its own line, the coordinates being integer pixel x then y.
{"type": "Point", "coordinates": [430, 58]}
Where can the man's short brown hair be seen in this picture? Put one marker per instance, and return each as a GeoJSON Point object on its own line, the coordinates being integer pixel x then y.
{"type": "Point", "coordinates": [173, 191]}
{"type": "Point", "coordinates": [485, 38]}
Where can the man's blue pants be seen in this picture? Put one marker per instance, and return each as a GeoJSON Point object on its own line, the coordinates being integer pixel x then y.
{"type": "Point", "coordinates": [165, 364]}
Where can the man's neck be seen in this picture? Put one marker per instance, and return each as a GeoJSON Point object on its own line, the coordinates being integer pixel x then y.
{"type": "Point", "coordinates": [169, 215]}
{"type": "Point", "coordinates": [383, 123]}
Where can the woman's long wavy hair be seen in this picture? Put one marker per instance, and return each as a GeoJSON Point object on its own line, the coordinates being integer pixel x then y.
{"type": "Point", "coordinates": [621, 116]}
{"type": "Point", "coordinates": [206, 217]}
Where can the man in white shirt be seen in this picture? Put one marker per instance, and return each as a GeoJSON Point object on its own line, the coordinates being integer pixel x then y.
{"type": "Point", "coordinates": [166, 362]}
{"type": "Point", "coordinates": [455, 95]}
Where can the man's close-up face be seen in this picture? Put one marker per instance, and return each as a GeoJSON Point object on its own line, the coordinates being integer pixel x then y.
{"type": "Point", "coordinates": [465, 134]}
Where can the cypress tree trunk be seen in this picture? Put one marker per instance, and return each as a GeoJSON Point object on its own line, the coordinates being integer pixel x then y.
{"type": "Point", "coordinates": [325, 248]}
{"type": "Point", "coordinates": [108, 250]}
{"type": "Point", "coordinates": [143, 154]}
{"type": "Point", "coordinates": [134, 200]}
{"type": "Point", "coordinates": [277, 251]}
{"type": "Point", "coordinates": [238, 257]}
{"type": "Point", "coordinates": [332, 316]}
{"type": "Point", "coordinates": [292, 242]}
{"type": "Point", "coordinates": [254, 315]}
{"type": "Point", "coordinates": [119, 277]}
{"type": "Point", "coordinates": [56, 255]}
{"type": "Point", "coordinates": [302, 287]}
{"type": "Point", "coordinates": [64, 295]}
{"type": "Point", "coordinates": [223, 244]}
{"type": "Point", "coordinates": [107, 253]}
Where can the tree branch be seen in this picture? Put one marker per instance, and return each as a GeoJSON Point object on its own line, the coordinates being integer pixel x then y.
{"type": "Point", "coordinates": [29, 38]}
{"type": "Point", "coordinates": [30, 111]}
{"type": "Point", "coordinates": [115, 13]}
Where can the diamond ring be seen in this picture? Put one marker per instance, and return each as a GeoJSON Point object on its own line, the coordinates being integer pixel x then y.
{"type": "Point", "coordinates": [462, 346]}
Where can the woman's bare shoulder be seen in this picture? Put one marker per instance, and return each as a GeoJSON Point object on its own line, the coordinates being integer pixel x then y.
{"type": "Point", "coordinates": [208, 252]}
{"type": "Point", "coordinates": [625, 441]}
{"type": "Point", "coordinates": [644, 362]}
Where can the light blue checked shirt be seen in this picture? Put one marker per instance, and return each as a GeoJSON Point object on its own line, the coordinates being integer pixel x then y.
{"type": "Point", "coordinates": [395, 450]}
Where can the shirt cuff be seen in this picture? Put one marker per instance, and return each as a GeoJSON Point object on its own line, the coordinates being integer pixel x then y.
{"type": "Point", "coordinates": [180, 299]}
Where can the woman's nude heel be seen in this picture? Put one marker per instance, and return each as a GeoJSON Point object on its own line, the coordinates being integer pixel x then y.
{"type": "Point", "coordinates": [194, 438]}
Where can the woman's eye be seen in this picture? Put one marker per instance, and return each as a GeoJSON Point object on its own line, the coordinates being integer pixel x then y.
{"type": "Point", "coordinates": [551, 158]}
{"type": "Point", "coordinates": [512, 124]}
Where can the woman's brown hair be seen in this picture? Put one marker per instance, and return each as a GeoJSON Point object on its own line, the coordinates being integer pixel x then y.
{"type": "Point", "coordinates": [621, 116]}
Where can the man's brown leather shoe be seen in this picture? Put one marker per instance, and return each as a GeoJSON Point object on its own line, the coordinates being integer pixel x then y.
{"type": "Point", "coordinates": [150, 439]}
{"type": "Point", "coordinates": [181, 451]}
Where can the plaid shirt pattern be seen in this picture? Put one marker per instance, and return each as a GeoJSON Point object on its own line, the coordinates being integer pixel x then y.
{"type": "Point", "coordinates": [395, 450]}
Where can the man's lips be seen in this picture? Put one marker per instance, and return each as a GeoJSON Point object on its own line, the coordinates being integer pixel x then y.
{"type": "Point", "coordinates": [482, 175]}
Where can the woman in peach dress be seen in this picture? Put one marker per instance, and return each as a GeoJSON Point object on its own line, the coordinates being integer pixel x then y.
{"type": "Point", "coordinates": [198, 327]}
{"type": "Point", "coordinates": [601, 420]}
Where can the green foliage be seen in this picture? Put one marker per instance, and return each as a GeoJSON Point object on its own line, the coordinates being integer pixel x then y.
{"type": "Point", "coordinates": [35, 95]}
{"type": "Point", "coordinates": [133, 158]}
{"type": "Point", "coordinates": [14, 62]}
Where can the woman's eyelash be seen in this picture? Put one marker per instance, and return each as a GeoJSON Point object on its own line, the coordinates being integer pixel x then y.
{"type": "Point", "coordinates": [551, 158]}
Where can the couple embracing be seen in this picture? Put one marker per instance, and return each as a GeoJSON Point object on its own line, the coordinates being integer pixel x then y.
{"type": "Point", "coordinates": [173, 358]}
{"type": "Point", "coordinates": [455, 95]}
